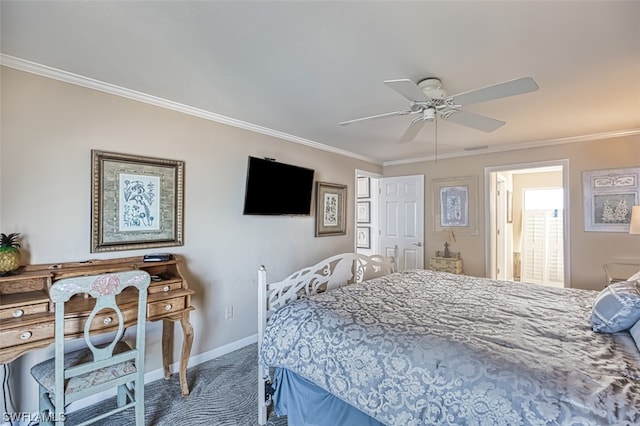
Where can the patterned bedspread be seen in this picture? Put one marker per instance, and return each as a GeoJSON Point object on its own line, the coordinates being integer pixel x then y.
{"type": "Point", "coordinates": [422, 347]}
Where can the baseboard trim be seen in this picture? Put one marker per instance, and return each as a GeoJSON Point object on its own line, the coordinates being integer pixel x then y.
{"type": "Point", "coordinates": [203, 357]}
{"type": "Point", "coordinates": [156, 374]}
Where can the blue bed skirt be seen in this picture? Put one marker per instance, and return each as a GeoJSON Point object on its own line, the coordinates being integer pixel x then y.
{"type": "Point", "coordinates": [306, 404]}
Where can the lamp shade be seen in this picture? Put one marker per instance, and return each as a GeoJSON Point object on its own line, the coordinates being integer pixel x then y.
{"type": "Point", "coordinates": [634, 226]}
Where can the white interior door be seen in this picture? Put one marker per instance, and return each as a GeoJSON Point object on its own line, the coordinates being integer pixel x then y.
{"type": "Point", "coordinates": [402, 220]}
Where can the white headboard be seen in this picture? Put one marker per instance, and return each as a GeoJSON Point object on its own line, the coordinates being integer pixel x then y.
{"type": "Point", "coordinates": [333, 272]}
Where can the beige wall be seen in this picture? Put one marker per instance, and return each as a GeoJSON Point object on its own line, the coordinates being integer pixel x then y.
{"type": "Point", "coordinates": [589, 250]}
{"type": "Point", "coordinates": [48, 129]}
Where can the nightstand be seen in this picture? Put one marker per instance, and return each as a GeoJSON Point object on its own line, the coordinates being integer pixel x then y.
{"type": "Point", "coordinates": [619, 271]}
{"type": "Point", "coordinates": [451, 264]}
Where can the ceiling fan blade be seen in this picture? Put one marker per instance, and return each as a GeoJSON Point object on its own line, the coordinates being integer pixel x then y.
{"type": "Point", "coordinates": [413, 130]}
{"type": "Point", "coordinates": [408, 89]}
{"type": "Point", "coordinates": [388, 114]}
{"type": "Point", "coordinates": [471, 119]}
{"type": "Point", "coordinates": [496, 91]}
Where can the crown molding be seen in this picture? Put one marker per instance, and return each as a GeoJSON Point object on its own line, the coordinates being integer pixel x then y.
{"type": "Point", "coordinates": [79, 80]}
{"type": "Point", "coordinates": [523, 145]}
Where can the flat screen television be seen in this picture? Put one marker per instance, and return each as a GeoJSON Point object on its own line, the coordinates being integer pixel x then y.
{"type": "Point", "coordinates": [277, 189]}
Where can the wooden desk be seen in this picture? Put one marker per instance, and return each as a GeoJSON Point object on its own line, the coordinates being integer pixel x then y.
{"type": "Point", "coordinates": [27, 314]}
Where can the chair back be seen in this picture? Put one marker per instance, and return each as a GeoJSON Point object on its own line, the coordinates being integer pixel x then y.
{"type": "Point", "coordinates": [104, 288]}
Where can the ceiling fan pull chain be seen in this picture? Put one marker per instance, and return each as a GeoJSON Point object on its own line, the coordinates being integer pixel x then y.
{"type": "Point", "coordinates": [436, 127]}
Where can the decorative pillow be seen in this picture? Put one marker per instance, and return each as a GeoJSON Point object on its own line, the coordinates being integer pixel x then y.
{"type": "Point", "coordinates": [634, 277]}
{"type": "Point", "coordinates": [635, 333]}
{"type": "Point", "coordinates": [616, 308]}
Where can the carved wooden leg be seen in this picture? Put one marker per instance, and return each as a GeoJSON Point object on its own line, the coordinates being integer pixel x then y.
{"type": "Point", "coordinates": [187, 330]}
{"type": "Point", "coordinates": [167, 347]}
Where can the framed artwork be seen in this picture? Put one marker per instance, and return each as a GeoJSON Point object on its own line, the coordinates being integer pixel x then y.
{"type": "Point", "coordinates": [137, 202]}
{"type": "Point", "coordinates": [363, 234]}
{"type": "Point", "coordinates": [331, 209]}
{"type": "Point", "coordinates": [609, 196]}
{"type": "Point", "coordinates": [364, 187]}
{"type": "Point", "coordinates": [364, 212]}
{"type": "Point", "coordinates": [455, 204]}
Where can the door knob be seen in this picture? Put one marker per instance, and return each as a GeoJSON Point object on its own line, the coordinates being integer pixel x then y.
{"type": "Point", "coordinates": [419, 244]}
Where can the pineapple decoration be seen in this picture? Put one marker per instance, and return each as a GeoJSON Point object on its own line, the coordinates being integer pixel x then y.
{"type": "Point", "coordinates": [9, 253]}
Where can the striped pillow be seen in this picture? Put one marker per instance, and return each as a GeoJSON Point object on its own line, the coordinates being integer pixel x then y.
{"type": "Point", "coordinates": [617, 307]}
{"type": "Point", "coordinates": [635, 333]}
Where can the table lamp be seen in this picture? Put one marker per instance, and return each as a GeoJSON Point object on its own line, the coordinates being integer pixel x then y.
{"type": "Point", "coordinates": [634, 226]}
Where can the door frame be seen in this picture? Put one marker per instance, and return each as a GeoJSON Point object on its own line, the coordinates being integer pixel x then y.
{"type": "Point", "coordinates": [490, 202]}
{"type": "Point", "coordinates": [501, 225]}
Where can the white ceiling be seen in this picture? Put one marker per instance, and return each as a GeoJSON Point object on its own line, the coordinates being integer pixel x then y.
{"type": "Point", "coordinates": [300, 67]}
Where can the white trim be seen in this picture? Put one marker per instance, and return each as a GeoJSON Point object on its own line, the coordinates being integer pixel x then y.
{"type": "Point", "coordinates": [68, 77]}
{"type": "Point", "coordinates": [208, 356]}
{"type": "Point", "coordinates": [524, 145]}
{"type": "Point", "coordinates": [360, 172]}
{"type": "Point", "coordinates": [564, 163]}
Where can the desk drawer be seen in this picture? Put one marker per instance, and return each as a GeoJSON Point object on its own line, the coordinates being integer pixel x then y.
{"type": "Point", "coordinates": [20, 311]}
{"type": "Point", "coordinates": [105, 319]}
{"type": "Point", "coordinates": [20, 335]}
{"type": "Point", "coordinates": [164, 287]}
{"type": "Point", "coordinates": [163, 307]}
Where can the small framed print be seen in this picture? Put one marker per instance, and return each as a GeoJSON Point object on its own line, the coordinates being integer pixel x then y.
{"type": "Point", "coordinates": [609, 196]}
{"type": "Point", "coordinates": [331, 209]}
{"type": "Point", "coordinates": [455, 204]}
{"type": "Point", "coordinates": [364, 212]}
{"type": "Point", "coordinates": [364, 187]}
{"type": "Point", "coordinates": [363, 237]}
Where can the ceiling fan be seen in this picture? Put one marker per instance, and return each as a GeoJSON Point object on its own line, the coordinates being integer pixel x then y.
{"type": "Point", "coordinates": [427, 100]}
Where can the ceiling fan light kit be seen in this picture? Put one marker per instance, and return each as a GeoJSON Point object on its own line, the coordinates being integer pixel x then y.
{"type": "Point", "coordinates": [429, 100]}
{"type": "Point", "coordinates": [429, 114]}
{"type": "Point", "coordinates": [432, 88]}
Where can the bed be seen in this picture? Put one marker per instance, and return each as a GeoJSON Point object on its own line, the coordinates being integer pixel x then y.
{"type": "Point", "coordinates": [422, 347]}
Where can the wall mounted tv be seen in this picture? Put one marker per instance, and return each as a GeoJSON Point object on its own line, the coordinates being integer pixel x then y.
{"type": "Point", "coordinates": [277, 189]}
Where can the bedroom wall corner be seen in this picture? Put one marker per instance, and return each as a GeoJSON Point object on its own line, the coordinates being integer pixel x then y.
{"type": "Point", "coordinates": [589, 251]}
{"type": "Point", "coordinates": [48, 130]}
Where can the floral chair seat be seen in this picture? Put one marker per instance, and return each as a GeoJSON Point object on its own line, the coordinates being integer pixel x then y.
{"type": "Point", "coordinates": [44, 372]}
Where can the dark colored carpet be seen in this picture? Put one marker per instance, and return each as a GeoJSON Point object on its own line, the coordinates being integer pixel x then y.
{"type": "Point", "coordinates": [223, 392]}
